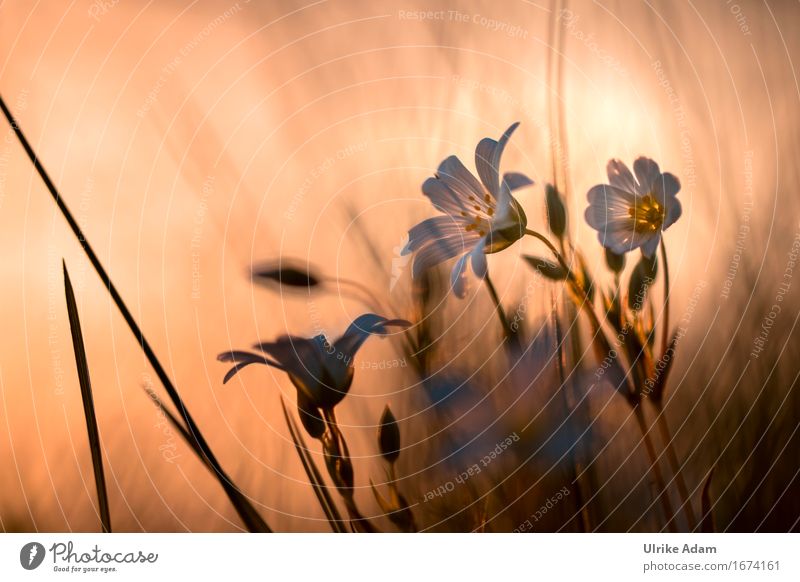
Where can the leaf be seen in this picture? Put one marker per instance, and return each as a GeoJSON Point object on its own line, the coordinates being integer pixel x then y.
{"type": "Point", "coordinates": [88, 403]}
{"type": "Point", "coordinates": [556, 213]}
{"type": "Point", "coordinates": [546, 268]}
{"type": "Point", "coordinates": [288, 273]}
{"type": "Point", "coordinates": [389, 436]}
{"type": "Point", "coordinates": [660, 383]}
{"type": "Point", "coordinates": [643, 276]}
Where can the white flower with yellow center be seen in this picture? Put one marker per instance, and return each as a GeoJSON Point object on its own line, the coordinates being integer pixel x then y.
{"type": "Point", "coordinates": [631, 213]}
{"type": "Point", "coordinates": [480, 217]}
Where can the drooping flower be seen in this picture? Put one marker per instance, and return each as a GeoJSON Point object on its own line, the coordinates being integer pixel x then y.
{"type": "Point", "coordinates": [631, 213]}
{"type": "Point", "coordinates": [321, 371]}
{"type": "Point", "coordinates": [480, 217]}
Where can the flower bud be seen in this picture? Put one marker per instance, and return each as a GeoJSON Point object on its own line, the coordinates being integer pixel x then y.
{"type": "Point", "coordinates": [310, 416]}
{"type": "Point", "coordinates": [287, 273]}
{"type": "Point", "coordinates": [556, 213]}
{"type": "Point", "coordinates": [389, 436]}
{"type": "Point", "coordinates": [614, 261]}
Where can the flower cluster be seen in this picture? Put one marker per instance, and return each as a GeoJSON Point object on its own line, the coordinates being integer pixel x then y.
{"type": "Point", "coordinates": [480, 216]}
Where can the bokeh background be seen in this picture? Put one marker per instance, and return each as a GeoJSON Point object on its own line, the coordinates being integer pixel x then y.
{"type": "Point", "coordinates": [195, 139]}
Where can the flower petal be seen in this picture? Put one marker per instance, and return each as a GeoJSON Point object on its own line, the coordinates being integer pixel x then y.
{"type": "Point", "coordinates": [673, 212]}
{"type": "Point", "coordinates": [357, 333]}
{"type": "Point", "coordinates": [647, 172]}
{"type": "Point", "coordinates": [620, 176]}
{"type": "Point", "coordinates": [666, 186]}
{"type": "Point", "coordinates": [441, 250]}
{"type": "Point", "coordinates": [608, 204]}
{"type": "Point", "coordinates": [430, 230]}
{"type": "Point", "coordinates": [459, 179]}
{"type": "Point", "coordinates": [442, 197]}
{"type": "Point", "coordinates": [487, 160]}
{"type": "Point", "coordinates": [665, 189]}
{"type": "Point", "coordinates": [515, 180]}
{"type": "Point", "coordinates": [458, 277]}
{"type": "Point", "coordinates": [478, 259]}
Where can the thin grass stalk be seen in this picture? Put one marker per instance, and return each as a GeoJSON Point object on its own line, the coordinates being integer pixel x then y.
{"type": "Point", "coordinates": [662, 494]}
{"type": "Point", "coordinates": [314, 476]}
{"type": "Point", "coordinates": [661, 419]}
{"type": "Point", "coordinates": [88, 403]}
{"type": "Point", "coordinates": [244, 508]}
{"type": "Point", "coordinates": [675, 466]}
{"type": "Point", "coordinates": [584, 524]}
{"type": "Point", "coordinates": [358, 522]}
{"type": "Point", "coordinates": [192, 442]}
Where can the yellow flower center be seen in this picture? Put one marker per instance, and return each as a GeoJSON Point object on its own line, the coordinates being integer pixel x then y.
{"type": "Point", "coordinates": [647, 214]}
{"type": "Point", "coordinates": [484, 210]}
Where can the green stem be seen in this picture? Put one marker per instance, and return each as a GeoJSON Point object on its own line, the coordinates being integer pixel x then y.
{"type": "Point", "coordinates": [498, 307]}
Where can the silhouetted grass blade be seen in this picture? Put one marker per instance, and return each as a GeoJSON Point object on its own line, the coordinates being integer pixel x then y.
{"type": "Point", "coordinates": [251, 518]}
{"type": "Point", "coordinates": [243, 507]}
{"type": "Point", "coordinates": [314, 476]}
{"type": "Point", "coordinates": [88, 403]}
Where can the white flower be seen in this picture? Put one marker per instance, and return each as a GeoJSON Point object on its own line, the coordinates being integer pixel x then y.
{"type": "Point", "coordinates": [480, 217]}
{"type": "Point", "coordinates": [628, 213]}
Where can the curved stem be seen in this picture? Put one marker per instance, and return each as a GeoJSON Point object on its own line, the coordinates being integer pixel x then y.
{"type": "Point", "coordinates": [665, 322]}
{"type": "Point", "coordinates": [585, 303]}
{"type": "Point", "coordinates": [662, 494]}
{"type": "Point", "coordinates": [498, 307]}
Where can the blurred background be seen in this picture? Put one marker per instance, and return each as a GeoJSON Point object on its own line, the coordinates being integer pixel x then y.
{"type": "Point", "coordinates": [195, 139]}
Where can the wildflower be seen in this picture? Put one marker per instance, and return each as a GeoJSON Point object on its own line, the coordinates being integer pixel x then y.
{"type": "Point", "coordinates": [480, 217]}
{"type": "Point", "coordinates": [321, 371]}
{"type": "Point", "coordinates": [630, 213]}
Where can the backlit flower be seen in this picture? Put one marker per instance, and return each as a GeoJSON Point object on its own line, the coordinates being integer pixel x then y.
{"type": "Point", "coordinates": [631, 213]}
{"type": "Point", "coordinates": [321, 371]}
{"type": "Point", "coordinates": [480, 216]}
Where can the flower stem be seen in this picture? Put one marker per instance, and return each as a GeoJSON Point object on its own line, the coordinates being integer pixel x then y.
{"type": "Point", "coordinates": [585, 303]}
{"type": "Point", "coordinates": [675, 467]}
{"type": "Point", "coordinates": [499, 308]}
{"type": "Point", "coordinates": [663, 427]}
{"type": "Point", "coordinates": [661, 493]}
{"type": "Point", "coordinates": [665, 322]}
